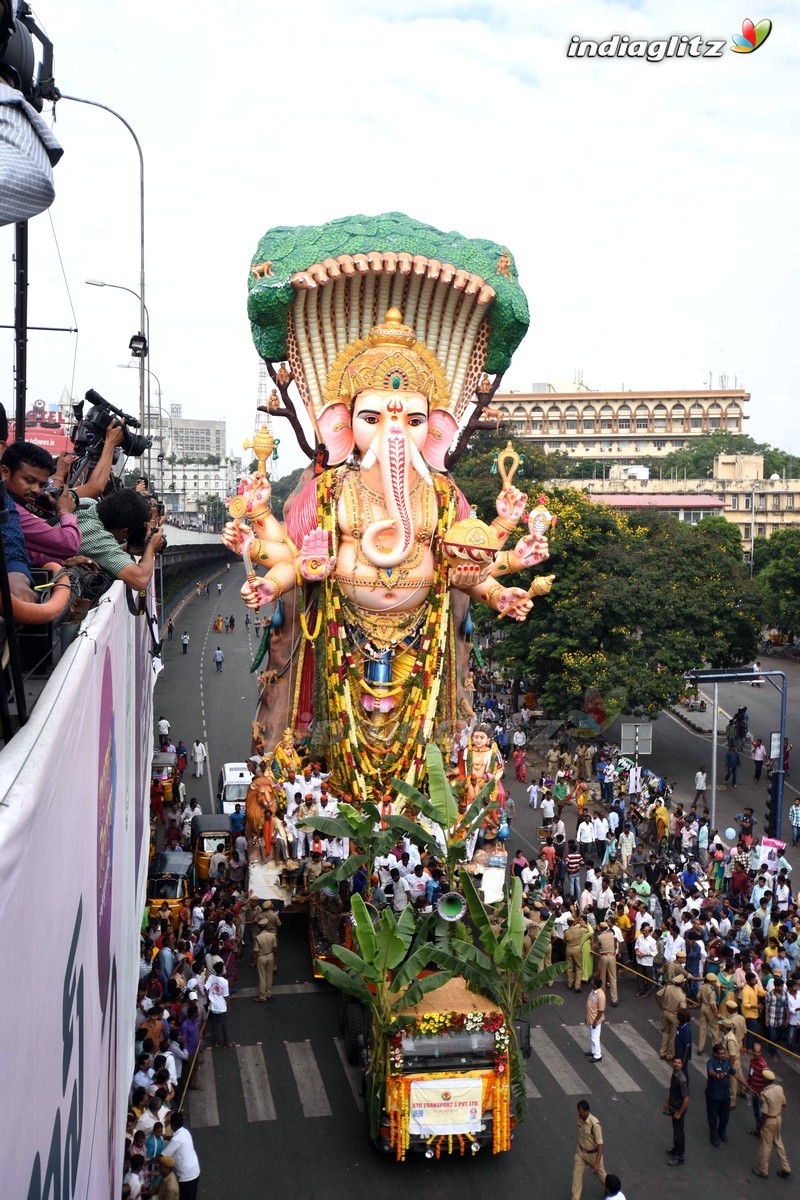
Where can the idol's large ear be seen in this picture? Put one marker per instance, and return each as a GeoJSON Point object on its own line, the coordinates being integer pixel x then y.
{"type": "Point", "coordinates": [336, 432]}
{"type": "Point", "coordinates": [442, 428]}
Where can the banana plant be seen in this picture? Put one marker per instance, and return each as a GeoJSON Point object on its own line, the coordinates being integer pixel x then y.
{"type": "Point", "coordinates": [385, 978]}
{"type": "Point", "coordinates": [440, 806]}
{"type": "Point", "coordinates": [500, 969]}
{"type": "Point", "coordinates": [363, 828]}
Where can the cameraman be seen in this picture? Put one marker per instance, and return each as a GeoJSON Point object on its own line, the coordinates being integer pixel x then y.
{"type": "Point", "coordinates": [97, 482]}
{"type": "Point", "coordinates": [123, 517]}
{"type": "Point", "coordinates": [26, 469]}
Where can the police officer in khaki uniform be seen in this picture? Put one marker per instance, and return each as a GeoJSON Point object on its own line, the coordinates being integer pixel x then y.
{"type": "Point", "coordinates": [773, 1102]}
{"type": "Point", "coordinates": [607, 960]}
{"type": "Point", "coordinates": [573, 940]}
{"type": "Point", "coordinates": [678, 967]}
{"type": "Point", "coordinates": [709, 1021]}
{"type": "Point", "coordinates": [539, 917]}
{"type": "Point", "coordinates": [738, 1023]}
{"type": "Point", "coordinates": [670, 999]}
{"type": "Point", "coordinates": [733, 1049]}
{"type": "Point", "coordinates": [589, 1151]}
{"type": "Point", "coordinates": [265, 945]}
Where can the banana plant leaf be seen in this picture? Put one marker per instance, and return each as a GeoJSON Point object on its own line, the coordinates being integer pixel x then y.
{"type": "Point", "coordinates": [344, 871]}
{"type": "Point", "coordinates": [354, 964]}
{"type": "Point", "coordinates": [342, 980]}
{"type": "Point", "coordinates": [478, 913]}
{"type": "Point", "coordinates": [330, 826]}
{"type": "Point", "coordinates": [393, 937]}
{"type": "Point", "coordinates": [367, 939]}
{"type": "Point", "coordinates": [416, 962]}
{"type": "Point", "coordinates": [421, 987]}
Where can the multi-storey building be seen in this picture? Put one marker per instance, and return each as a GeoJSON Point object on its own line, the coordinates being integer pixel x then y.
{"type": "Point", "coordinates": [738, 491]}
{"type": "Point", "coordinates": [619, 425]}
{"type": "Point", "coordinates": [193, 438]}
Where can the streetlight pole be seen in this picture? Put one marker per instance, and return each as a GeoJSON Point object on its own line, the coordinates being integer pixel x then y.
{"type": "Point", "coordinates": [142, 308]}
{"type": "Point", "coordinates": [145, 323]}
{"type": "Point", "coordinates": [161, 410]}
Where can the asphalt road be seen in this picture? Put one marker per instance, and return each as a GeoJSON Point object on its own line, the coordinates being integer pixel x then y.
{"type": "Point", "coordinates": [281, 1112]}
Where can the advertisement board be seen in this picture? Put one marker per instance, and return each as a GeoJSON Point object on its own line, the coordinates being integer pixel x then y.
{"type": "Point", "coordinates": [444, 1106]}
{"type": "Point", "coordinates": [73, 855]}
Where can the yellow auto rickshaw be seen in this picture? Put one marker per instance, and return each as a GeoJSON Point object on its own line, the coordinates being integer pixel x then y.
{"type": "Point", "coordinates": [163, 770]}
{"type": "Point", "coordinates": [208, 834]}
{"type": "Point", "coordinates": [169, 880]}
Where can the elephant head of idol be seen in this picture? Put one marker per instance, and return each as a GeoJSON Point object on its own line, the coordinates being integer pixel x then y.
{"type": "Point", "coordinates": [394, 392]}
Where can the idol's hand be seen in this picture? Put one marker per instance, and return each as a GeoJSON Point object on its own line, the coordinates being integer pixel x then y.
{"type": "Point", "coordinates": [234, 534]}
{"type": "Point", "coordinates": [514, 603]}
{"type": "Point", "coordinates": [257, 593]}
{"type": "Point", "coordinates": [315, 561]}
{"type": "Point", "coordinates": [466, 575]}
{"type": "Point", "coordinates": [529, 552]}
{"type": "Point", "coordinates": [510, 504]}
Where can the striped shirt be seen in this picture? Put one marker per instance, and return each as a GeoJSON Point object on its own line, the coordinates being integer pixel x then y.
{"type": "Point", "coordinates": [97, 542]}
{"type": "Point", "coordinates": [574, 863]}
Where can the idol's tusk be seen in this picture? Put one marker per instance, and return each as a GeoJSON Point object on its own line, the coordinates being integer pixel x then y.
{"type": "Point", "coordinates": [370, 457]}
{"type": "Point", "coordinates": [420, 466]}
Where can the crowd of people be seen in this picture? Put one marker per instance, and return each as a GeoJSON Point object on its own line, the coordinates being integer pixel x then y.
{"type": "Point", "coordinates": [78, 529]}
{"type": "Point", "coordinates": [707, 927]}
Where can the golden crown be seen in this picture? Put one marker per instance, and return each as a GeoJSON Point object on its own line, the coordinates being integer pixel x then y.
{"type": "Point", "coordinates": [389, 359]}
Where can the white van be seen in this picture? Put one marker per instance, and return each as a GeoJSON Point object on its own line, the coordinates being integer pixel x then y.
{"type": "Point", "coordinates": [232, 784]}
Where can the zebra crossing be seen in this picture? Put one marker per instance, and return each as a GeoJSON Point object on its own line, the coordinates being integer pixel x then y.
{"type": "Point", "coordinates": [629, 1065]}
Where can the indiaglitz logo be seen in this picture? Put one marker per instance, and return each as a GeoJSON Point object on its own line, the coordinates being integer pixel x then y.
{"type": "Point", "coordinates": [447, 1095]}
{"type": "Point", "coordinates": [751, 37]}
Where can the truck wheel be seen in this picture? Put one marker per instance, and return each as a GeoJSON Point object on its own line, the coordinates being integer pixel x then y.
{"type": "Point", "coordinates": [353, 1030]}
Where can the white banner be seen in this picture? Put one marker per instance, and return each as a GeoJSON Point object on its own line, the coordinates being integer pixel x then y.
{"type": "Point", "coordinates": [73, 857]}
{"type": "Point", "coordinates": [445, 1106]}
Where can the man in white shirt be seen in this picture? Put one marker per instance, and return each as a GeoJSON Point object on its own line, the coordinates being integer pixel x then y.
{"type": "Point", "coordinates": [198, 758]}
{"type": "Point", "coordinates": [163, 731]}
{"type": "Point", "coordinates": [401, 890]}
{"type": "Point", "coordinates": [646, 950]}
{"type": "Point", "coordinates": [417, 883]}
{"type": "Point", "coordinates": [700, 785]}
{"type": "Point", "coordinates": [625, 847]}
{"type": "Point", "coordinates": [600, 826]}
{"type": "Point", "coordinates": [548, 808]}
{"type": "Point", "coordinates": [181, 1149]}
{"type": "Point", "coordinates": [292, 789]}
{"type": "Point", "coordinates": [533, 794]}
{"type": "Point", "coordinates": [217, 992]}
{"type": "Point", "coordinates": [384, 865]}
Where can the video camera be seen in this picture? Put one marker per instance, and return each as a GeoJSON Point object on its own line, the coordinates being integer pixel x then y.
{"type": "Point", "coordinates": [18, 28]}
{"type": "Point", "coordinates": [90, 432]}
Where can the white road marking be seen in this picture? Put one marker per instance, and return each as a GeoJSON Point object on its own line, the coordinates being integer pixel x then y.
{"type": "Point", "coordinates": [607, 1066]}
{"type": "Point", "coordinates": [202, 1103]}
{"type": "Point", "coordinates": [258, 1100]}
{"type": "Point", "coordinates": [568, 1080]}
{"type": "Point", "coordinates": [644, 1052]}
{"type": "Point", "coordinates": [309, 1083]}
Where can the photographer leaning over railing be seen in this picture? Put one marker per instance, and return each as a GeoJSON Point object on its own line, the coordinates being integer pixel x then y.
{"type": "Point", "coordinates": [123, 517]}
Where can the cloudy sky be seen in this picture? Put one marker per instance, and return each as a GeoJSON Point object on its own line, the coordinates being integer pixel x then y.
{"type": "Point", "coordinates": [651, 206]}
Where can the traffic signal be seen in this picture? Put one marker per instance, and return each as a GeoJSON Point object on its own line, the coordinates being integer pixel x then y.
{"type": "Point", "coordinates": [771, 810]}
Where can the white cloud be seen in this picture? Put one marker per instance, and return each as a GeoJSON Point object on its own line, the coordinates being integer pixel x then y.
{"type": "Point", "coordinates": [651, 206]}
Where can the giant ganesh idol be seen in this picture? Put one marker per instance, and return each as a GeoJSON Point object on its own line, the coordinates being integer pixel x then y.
{"type": "Point", "coordinates": [390, 330]}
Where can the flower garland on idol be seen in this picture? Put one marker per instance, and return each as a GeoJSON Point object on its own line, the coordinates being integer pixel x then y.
{"type": "Point", "coordinates": [352, 755]}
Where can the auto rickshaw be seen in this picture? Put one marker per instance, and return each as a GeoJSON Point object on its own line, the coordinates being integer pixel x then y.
{"type": "Point", "coordinates": [163, 770]}
{"type": "Point", "coordinates": [208, 833]}
{"type": "Point", "coordinates": [169, 880]}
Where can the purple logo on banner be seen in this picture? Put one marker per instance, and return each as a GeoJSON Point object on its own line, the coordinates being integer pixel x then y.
{"type": "Point", "coordinates": [106, 788]}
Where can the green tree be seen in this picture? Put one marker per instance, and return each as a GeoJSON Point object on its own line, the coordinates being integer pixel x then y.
{"type": "Point", "coordinates": [282, 488]}
{"type": "Point", "coordinates": [696, 461]}
{"type": "Point", "coordinates": [637, 600]}
{"type": "Point", "coordinates": [724, 534]}
{"type": "Point", "coordinates": [778, 580]}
